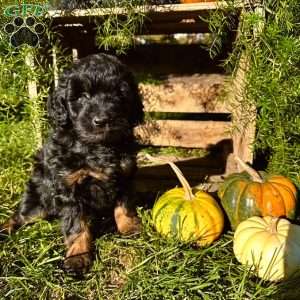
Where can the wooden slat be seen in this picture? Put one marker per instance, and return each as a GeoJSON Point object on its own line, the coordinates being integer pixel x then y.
{"type": "Point", "coordinates": [191, 134]}
{"type": "Point", "coordinates": [33, 96]}
{"type": "Point", "coordinates": [160, 19]}
{"type": "Point", "coordinates": [160, 177]}
{"type": "Point", "coordinates": [194, 94]}
{"type": "Point", "coordinates": [244, 112]}
{"type": "Point", "coordinates": [175, 27]}
{"type": "Point", "coordinates": [150, 10]}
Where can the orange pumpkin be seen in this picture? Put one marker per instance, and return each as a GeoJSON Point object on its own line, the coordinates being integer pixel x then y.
{"type": "Point", "coordinates": [248, 194]}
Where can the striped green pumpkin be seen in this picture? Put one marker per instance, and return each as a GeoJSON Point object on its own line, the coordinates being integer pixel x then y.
{"type": "Point", "coordinates": [186, 216]}
{"type": "Point", "coordinates": [252, 193]}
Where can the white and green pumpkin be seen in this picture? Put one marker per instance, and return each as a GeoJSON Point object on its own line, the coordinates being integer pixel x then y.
{"type": "Point", "coordinates": [269, 246]}
{"type": "Point", "coordinates": [187, 216]}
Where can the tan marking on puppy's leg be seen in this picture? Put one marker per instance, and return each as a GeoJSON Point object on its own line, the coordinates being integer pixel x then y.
{"type": "Point", "coordinates": [10, 226]}
{"type": "Point", "coordinates": [18, 220]}
{"type": "Point", "coordinates": [127, 222]}
{"type": "Point", "coordinates": [78, 256]}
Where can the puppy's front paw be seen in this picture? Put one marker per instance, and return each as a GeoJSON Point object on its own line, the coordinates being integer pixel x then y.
{"type": "Point", "coordinates": [78, 264]}
{"type": "Point", "coordinates": [11, 225]}
{"type": "Point", "coordinates": [127, 222]}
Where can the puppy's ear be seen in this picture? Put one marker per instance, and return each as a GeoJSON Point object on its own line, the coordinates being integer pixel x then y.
{"type": "Point", "coordinates": [57, 107]}
{"type": "Point", "coordinates": [137, 108]}
{"type": "Point", "coordinates": [129, 89]}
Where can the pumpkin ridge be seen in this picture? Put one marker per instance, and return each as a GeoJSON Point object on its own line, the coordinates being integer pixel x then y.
{"type": "Point", "coordinates": [211, 209]}
{"type": "Point", "coordinates": [271, 207]}
{"type": "Point", "coordinates": [270, 237]}
{"type": "Point", "coordinates": [281, 198]}
{"type": "Point", "coordinates": [159, 212]}
{"type": "Point", "coordinates": [249, 195]}
{"type": "Point", "coordinates": [249, 243]}
{"type": "Point", "coordinates": [260, 204]}
{"type": "Point", "coordinates": [229, 180]}
{"type": "Point", "coordinates": [207, 232]}
{"type": "Point", "coordinates": [238, 202]}
{"type": "Point", "coordinates": [176, 218]}
{"type": "Point", "coordinates": [291, 196]}
{"type": "Point", "coordinates": [285, 182]}
{"type": "Point", "coordinates": [196, 224]}
{"type": "Point", "coordinates": [275, 259]}
{"type": "Point", "coordinates": [282, 186]}
{"type": "Point", "coordinates": [218, 226]}
{"type": "Point", "coordinates": [198, 214]}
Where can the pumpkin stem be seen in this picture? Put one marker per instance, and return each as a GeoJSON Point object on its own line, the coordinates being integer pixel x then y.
{"type": "Point", "coordinates": [186, 187]}
{"type": "Point", "coordinates": [254, 174]}
{"type": "Point", "coordinates": [273, 225]}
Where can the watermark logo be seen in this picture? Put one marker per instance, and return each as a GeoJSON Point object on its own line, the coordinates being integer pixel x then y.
{"type": "Point", "coordinates": [24, 28]}
{"type": "Point", "coordinates": [24, 10]}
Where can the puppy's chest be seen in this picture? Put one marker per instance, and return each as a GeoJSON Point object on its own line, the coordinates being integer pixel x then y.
{"type": "Point", "coordinates": [97, 157]}
{"type": "Point", "coordinates": [100, 164]}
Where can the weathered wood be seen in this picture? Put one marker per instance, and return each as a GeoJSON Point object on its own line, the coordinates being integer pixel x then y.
{"type": "Point", "coordinates": [32, 87]}
{"type": "Point", "coordinates": [243, 115]}
{"type": "Point", "coordinates": [243, 110]}
{"type": "Point", "coordinates": [55, 67]}
{"type": "Point", "coordinates": [148, 9]}
{"type": "Point", "coordinates": [191, 134]}
{"type": "Point", "coordinates": [194, 94]}
{"type": "Point", "coordinates": [74, 54]}
{"type": "Point", "coordinates": [169, 18]}
{"type": "Point", "coordinates": [159, 177]}
{"type": "Point", "coordinates": [175, 27]}
{"type": "Point", "coordinates": [33, 96]}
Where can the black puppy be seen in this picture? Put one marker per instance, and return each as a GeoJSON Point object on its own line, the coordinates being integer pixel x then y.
{"type": "Point", "coordinates": [87, 165]}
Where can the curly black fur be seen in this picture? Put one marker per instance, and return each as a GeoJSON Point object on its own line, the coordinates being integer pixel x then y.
{"type": "Point", "coordinates": [93, 112]}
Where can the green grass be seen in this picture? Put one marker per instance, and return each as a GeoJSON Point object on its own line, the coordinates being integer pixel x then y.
{"type": "Point", "coordinates": [144, 266]}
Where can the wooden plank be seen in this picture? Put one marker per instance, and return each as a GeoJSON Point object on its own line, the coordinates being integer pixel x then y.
{"type": "Point", "coordinates": [244, 116]}
{"type": "Point", "coordinates": [244, 112]}
{"type": "Point", "coordinates": [33, 97]}
{"type": "Point", "coordinates": [159, 177]}
{"type": "Point", "coordinates": [148, 9]}
{"type": "Point", "coordinates": [190, 134]}
{"type": "Point", "coordinates": [175, 27]}
{"type": "Point", "coordinates": [194, 94]}
{"type": "Point", "coordinates": [55, 67]}
{"type": "Point", "coordinates": [160, 19]}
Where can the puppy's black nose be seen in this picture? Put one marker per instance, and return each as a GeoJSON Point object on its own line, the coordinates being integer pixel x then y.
{"type": "Point", "coordinates": [98, 121]}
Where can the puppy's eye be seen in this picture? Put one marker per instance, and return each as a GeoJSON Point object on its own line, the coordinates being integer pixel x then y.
{"type": "Point", "coordinates": [85, 95]}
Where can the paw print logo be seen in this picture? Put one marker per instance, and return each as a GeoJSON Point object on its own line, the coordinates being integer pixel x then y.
{"type": "Point", "coordinates": [24, 31]}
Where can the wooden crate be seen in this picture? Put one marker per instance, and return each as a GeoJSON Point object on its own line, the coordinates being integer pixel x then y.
{"type": "Point", "coordinates": [192, 114]}
{"type": "Point", "coordinates": [189, 113]}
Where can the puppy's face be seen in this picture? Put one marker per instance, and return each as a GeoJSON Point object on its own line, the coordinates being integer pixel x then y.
{"type": "Point", "coordinates": [98, 111]}
{"type": "Point", "coordinates": [99, 99]}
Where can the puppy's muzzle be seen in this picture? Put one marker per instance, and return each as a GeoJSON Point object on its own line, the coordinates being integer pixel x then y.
{"type": "Point", "coordinates": [100, 121]}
